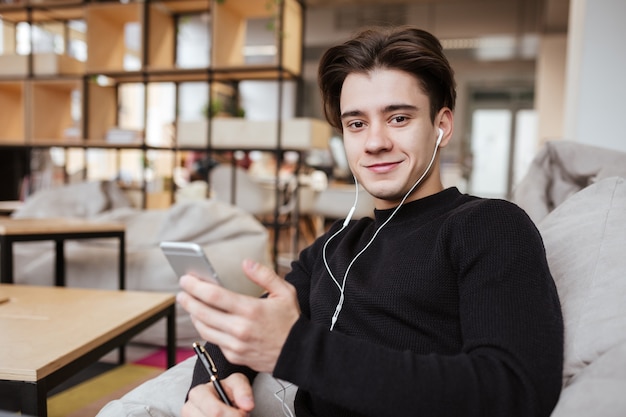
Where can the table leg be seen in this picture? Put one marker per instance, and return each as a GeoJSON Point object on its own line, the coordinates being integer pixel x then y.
{"type": "Point", "coordinates": [122, 285]}
{"type": "Point", "coordinates": [122, 262]}
{"type": "Point", "coordinates": [59, 267]}
{"type": "Point", "coordinates": [6, 260]}
{"type": "Point", "coordinates": [171, 336]}
{"type": "Point", "coordinates": [33, 397]}
{"type": "Point", "coordinates": [121, 354]}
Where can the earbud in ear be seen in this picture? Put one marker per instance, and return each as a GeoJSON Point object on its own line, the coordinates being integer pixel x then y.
{"type": "Point", "coordinates": [440, 136]}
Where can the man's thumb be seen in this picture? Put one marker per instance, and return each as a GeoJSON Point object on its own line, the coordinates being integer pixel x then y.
{"type": "Point", "coordinates": [263, 276]}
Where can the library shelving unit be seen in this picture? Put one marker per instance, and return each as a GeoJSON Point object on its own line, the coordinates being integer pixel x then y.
{"type": "Point", "coordinates": [125, 89]}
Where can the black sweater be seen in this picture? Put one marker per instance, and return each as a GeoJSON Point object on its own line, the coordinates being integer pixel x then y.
{"type": "Point", "coordinates": [451, 311]}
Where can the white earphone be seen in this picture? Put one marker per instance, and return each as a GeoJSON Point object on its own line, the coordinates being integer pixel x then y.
{"type": "Point", "coordinates": [341, 286]}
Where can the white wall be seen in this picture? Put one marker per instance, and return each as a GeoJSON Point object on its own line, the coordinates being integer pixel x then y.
{"type": "Point", "coordinates": [595, 82]}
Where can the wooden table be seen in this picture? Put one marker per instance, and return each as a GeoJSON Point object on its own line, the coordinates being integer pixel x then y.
{"type": "Point", "coordinates": [50, 333]}
{"type": "Point", "coordinates": [59, 230]}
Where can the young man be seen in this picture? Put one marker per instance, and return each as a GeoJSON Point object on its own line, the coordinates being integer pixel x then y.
{"type": "Point", "coordinates": [441, 305]}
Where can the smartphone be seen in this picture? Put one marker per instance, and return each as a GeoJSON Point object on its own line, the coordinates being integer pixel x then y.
{"type": "Point", "coordinates": [189, 258]}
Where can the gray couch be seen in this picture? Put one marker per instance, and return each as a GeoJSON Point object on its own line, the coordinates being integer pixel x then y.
{"type": "Point", "coordinates": [585, 239]}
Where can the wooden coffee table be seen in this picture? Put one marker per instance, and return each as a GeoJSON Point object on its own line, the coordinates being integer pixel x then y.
{"type": "Point", "coordinates": [50, 333]}
{"type": "Point", "coordinates": [59, 230]}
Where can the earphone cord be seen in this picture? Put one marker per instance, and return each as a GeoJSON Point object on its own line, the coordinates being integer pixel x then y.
{"type": "Point", "coordinates": [281, 396]}
{"type": "Point", "coordinates": [342, 286]}
{"type": "Point", "coordinates": [345, 224]}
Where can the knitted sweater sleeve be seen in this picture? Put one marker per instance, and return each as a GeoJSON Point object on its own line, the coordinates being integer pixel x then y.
{"type": "Point", "coordinates": [510, 358]}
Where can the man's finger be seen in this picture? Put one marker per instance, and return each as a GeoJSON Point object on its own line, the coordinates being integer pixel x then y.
{"type": "Point", "coordinates": [264, 276]}
{"type": "Point", "coordinates": [241, 390]}
{"type": "Point", "coordinates": [212, 295]}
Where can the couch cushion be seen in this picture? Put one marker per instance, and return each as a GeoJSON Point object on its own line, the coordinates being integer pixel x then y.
{"type": "Point", "coordinates": [585, 240]}
{"type": "Point", "coordinates": [82, 199]}
{"type": "Point", "coordinates": [164, 395]}
{"type": "Point", "coordinates": [598, 390]}
{"type": "Point", "coordinates": [560, 169]}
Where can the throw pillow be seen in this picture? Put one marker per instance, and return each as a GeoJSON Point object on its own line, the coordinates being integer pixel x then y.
{"type": "Point", "coordinates": [585, 238]}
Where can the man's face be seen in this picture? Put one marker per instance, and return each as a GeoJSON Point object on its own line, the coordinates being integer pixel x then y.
{"type": "Point", "coordinates": [388, 135]}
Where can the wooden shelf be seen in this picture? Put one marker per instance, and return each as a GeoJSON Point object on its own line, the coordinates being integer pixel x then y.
{"type": "Point", "coordinates": [54, 100]}
{"type": "Point", "coordinates": [42, 11]}
{"type": "Point", "coordinates": [55, 3]}
{"type": "Point", "coordinates": [52, 105]}
{"type": "Point", "coordinates": [102, 110]}
{"type": "Point", "coordinates": [44, 64]}
{"type": "Point", "coordinates": [231, 20]}
{"type": "Point", "coordinates": [12, 14]}
{"type": "Point", "coordinates": [110, 28]}
{"type": "Point", "coordinates": [55, 11]}
{"type": "Point", "coordinates": [12, 117]}
{"type": "Point", "coordinates": [234, 133]}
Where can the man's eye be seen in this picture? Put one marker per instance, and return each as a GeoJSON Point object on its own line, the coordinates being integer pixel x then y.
{"type": "Point", "coordinates": [399, 119]}
{"type": "Point", "coordinates": [357, 125]}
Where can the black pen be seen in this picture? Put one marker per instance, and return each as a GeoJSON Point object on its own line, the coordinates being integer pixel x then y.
{"type": "Point", "coordinates": [211, 370]}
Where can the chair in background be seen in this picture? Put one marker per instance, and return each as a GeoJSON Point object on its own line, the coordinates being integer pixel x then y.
{"type": "Point", "coordinates": [273, 208]}
{"type": "Point", "coordinates": [256, 197]}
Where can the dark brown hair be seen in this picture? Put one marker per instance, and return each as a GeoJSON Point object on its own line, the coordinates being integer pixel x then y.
{"type": "Point", "coordinates": [405, 48]}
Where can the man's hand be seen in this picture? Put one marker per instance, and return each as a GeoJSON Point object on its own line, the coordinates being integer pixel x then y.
{"type": "Point", "coordinates": [204, 401]}
{"type": "Point", "coordinates": [250, 331]}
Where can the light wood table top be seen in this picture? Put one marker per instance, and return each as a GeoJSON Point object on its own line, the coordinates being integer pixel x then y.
{"type": "Point", "coordinates": [25, 226]}
{"type": "Point", "coordinates": [46, 328]}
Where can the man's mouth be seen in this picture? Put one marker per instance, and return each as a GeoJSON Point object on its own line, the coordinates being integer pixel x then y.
{"type": "Point", "coordinates": [382, 167]}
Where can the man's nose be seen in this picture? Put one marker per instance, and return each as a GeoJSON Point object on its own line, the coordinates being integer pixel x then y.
{"type": "Point", "coordinates": [377, 138]}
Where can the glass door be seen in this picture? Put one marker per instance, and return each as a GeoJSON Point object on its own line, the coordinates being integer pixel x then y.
{"type": "Point", "coordinates": [502, 142]}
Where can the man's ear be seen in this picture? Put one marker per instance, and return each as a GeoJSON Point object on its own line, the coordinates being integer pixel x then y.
{"type": "Point", "coordinates": [445, 122]}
